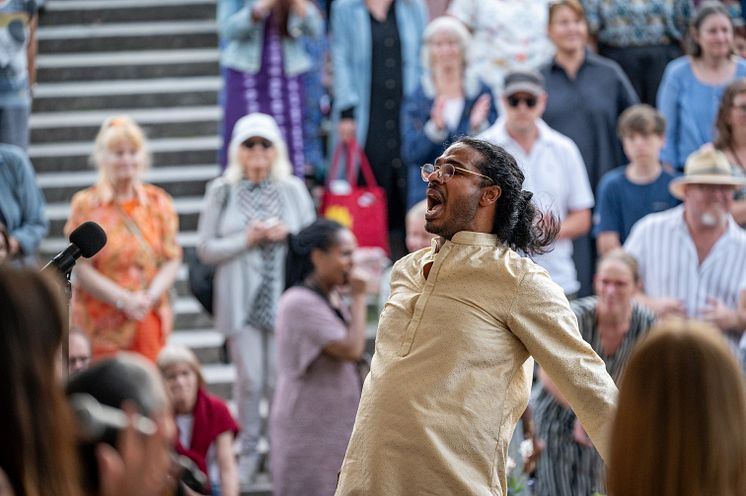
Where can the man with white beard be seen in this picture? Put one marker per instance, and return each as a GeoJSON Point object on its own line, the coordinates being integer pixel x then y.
{"type": "Point", "coordinates": [693, 257]}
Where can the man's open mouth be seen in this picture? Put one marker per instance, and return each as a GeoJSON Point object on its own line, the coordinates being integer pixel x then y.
{"type": "Point", "coordinates": [435, 204]}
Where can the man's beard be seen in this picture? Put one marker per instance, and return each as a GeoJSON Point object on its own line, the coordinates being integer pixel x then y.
{"type": "Point", "coordinates": [463, 213]}
{"type": "Point", "coordinates": [711, 219]}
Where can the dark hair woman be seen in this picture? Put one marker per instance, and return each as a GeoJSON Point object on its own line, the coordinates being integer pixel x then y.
{"type": "Point", "coordinates": [318, 344]}
{"type": "Point", "coordinates": [38, 455]}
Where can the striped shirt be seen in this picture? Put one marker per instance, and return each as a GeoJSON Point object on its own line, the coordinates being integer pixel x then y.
{"type": "Point", "coordinates": [566, 468]}
{"type": "Point", "coordinates": [669, 265]}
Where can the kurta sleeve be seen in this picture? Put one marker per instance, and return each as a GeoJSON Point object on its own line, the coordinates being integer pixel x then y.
{"type": "Point", "coordinates": [552, 337]}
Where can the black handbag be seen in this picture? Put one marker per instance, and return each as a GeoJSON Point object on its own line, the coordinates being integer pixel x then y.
{"type": "Point", "coordinates": [201, 275]}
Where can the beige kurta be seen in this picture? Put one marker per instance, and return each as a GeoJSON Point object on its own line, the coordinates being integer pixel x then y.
{"type": "Point", "coordinates": [451, 374]}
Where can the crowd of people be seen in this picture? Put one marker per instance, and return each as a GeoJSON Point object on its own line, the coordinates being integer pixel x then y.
{"type": "Point", "coordinates": [564, 182]}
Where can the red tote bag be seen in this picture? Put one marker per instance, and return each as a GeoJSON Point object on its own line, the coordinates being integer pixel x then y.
{"type": "Point", "coordinates": [362, 209]}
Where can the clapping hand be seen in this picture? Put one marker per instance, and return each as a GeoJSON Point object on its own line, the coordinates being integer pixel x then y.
{"type": "Point", "coordinates": [437, 113]}
{"type": "Point", "coordinates": [479, 112]}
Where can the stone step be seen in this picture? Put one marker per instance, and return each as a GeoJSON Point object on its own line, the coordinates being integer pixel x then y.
{"type": "Point", "coordinates": [127, 72]}
{"type": "Point", "coordinates": [74, 12]}
{"type": "Point", "coordinates": [176, 180]}
{"type": "Point", "coordinates": [199, 33]}
{"type": "Point", "coordinates": [206, 343]}
{"type": "Point", "coordinates": [139, 93]}
{"type": "Point", "coordinates": [163, 122]}
{"type": "Point", "coordinates": [126, 58]}
{"type": "Point", "coordinates": [66, 157]}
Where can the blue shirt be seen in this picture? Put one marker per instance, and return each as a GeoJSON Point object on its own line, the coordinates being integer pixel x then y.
{"type": "Point", "coordinates": [690, 108]}
{"type": "Point", "coordinates": [621, 202]}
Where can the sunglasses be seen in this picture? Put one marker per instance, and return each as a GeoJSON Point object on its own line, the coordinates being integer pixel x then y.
{"type": "Point", "coordinates": [530, 101]}
{"type": "Point", "coordinates": [252, 142]}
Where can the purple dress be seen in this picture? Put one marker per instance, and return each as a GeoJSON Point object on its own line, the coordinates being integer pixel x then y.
{"type": "Point", "coordinates": [315, 400]}
{"type": "Point", "coordinates": [268, 91]}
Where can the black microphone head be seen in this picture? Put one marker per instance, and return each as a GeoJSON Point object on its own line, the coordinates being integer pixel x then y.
{"type": "Point", "coordinates": [89, 237]}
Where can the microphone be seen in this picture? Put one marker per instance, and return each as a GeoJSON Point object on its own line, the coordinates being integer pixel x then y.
{"type": "Point", "coordinates": [86, 240]}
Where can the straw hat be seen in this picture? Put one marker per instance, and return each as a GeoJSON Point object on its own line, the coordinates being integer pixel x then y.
{"type": "Point", "coordinates": [708, 166]}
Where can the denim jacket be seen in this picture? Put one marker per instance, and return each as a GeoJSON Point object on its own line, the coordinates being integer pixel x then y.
{"type": "Point", "coordinates": [351, 54]}
{"type": "Point", "coordinates": [242, 37]}
{"type": "Point", "coordinates": [21, 201]}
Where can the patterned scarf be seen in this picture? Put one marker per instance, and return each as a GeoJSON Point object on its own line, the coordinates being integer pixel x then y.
{"type": "Point", "coordinates": [261, 202]}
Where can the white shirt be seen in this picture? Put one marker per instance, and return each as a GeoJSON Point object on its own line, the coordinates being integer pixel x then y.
{"type": "Point", "coordinates": [669, 265]}
{"type": "Point", "coordinates": [556, 175]}
{"type": "Point", "coordinates": [507, 35]}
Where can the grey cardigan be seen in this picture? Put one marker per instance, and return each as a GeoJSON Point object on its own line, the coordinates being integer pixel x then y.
{"type": "Point", "coordinates": [222, 243]}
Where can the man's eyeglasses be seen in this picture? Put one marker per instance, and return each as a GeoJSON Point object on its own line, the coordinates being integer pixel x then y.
{"type": "Point", "coordinates": [445, 172]}
{"type": "Point", "coordinates": [252, 142]}
{"type": "Point", "coordinates": [530, 101]}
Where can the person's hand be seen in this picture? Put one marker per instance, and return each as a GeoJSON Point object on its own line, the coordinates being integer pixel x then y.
{"type": "Point", "coordinates": [479, 112]}
{"type": "Point", "coordinates": [299, 7]}
{"type": "Point", "coordinates": [256, 233]}
{"type": "Point", "coordinates": [142, 464]}
{"type": "Point", "coordinates": [437, 113]}
{"type": "Point", "coordinates": [276, 232]}
{"type": "Point", "coordinates": [531, 450]}
{"type": "Point", "coordinates": [358, 282]}
{"type": "Point", "coordinates": [579, 435]}
{"type": "Point", "coordinates": [346, 130]}
{"type": "Point", "coordinates": [137, 304]}
{"type": "Point", "coordinates": [666, 307]}
{"type": "Point", "coordinates": [13, 246]}
{"type": "Point", "coordinates": [261, 9]}
{"type": "Point", "coordinates": [720, 315]}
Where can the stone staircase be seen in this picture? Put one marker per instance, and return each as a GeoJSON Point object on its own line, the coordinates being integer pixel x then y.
{"type": "Point", "coordinates": [156, 60]}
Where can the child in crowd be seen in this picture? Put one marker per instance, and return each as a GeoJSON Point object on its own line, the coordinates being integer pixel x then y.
{"type": "Point", "coordinates": [628, 193]}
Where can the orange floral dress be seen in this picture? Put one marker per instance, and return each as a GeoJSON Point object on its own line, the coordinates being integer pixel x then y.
{"type": "Point", "coordinates": [131, 261]}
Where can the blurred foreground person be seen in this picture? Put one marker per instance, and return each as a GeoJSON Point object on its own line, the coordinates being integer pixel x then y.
{"type": "Point", "coordinates": [206, 428]}
{"type": "Point", "coordinates": [680, 428]}
{"type": "Point", "coordinates": [38, 439]}
{"type": "Point", "coordinates": [38, 446]}
{"type": "Point", "coordinates": [319, 341]}
{"type": "Point", "coordinates": [130, 382]}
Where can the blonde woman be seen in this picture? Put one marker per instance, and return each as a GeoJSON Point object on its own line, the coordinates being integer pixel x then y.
{"type": "Point", "coordinates": [121, 294]}
{"type": "Point", "coordinates": [206, 428]}
{"type": "Point", "coordinates": [243, 230]}
{"type": "Point", "coordinates": [680, 427]}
